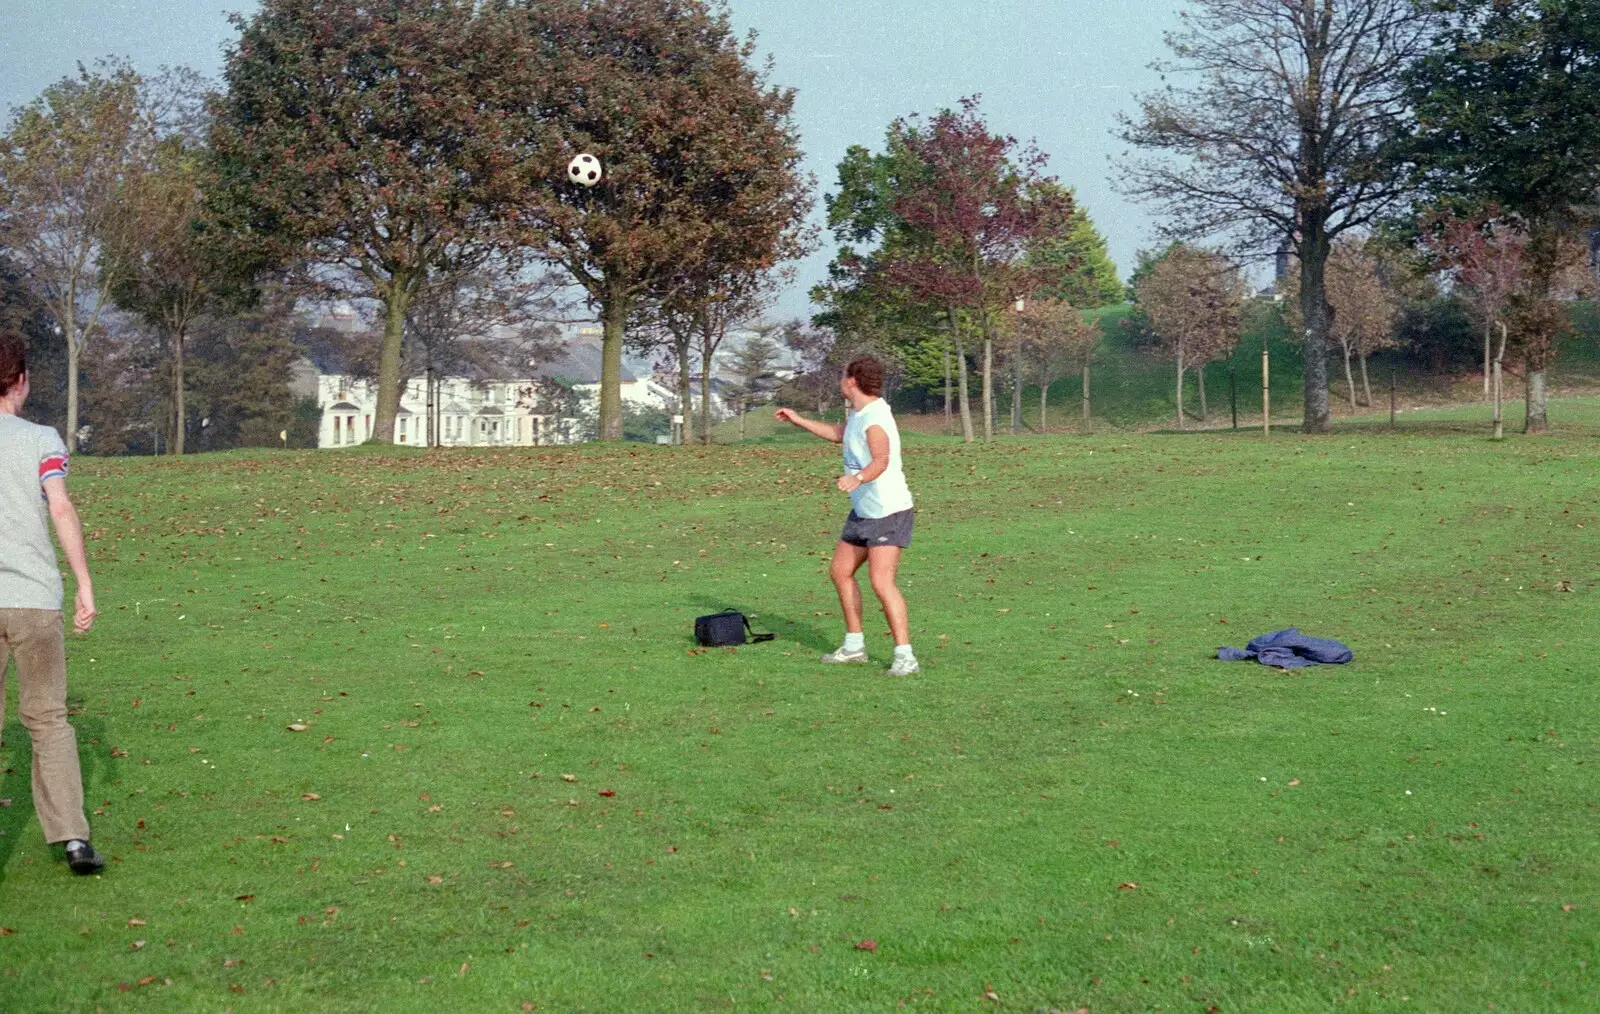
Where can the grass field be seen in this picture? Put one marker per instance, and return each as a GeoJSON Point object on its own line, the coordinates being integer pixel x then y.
{"type": "Point", "coordinates": [570, 809]}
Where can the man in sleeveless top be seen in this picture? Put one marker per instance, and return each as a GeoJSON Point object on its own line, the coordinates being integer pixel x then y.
{"type": "Point", "coordinates": [881, 515]}
{"type": "Point", "coordinates": [33, 492]}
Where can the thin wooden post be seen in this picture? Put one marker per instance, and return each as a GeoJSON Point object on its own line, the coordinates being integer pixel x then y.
{"type": "Point", "coordinates": [1233, 393]}
{"type": "Point", "coordinates": [1392, 398]}
{"type": "Point", "coordinates": [1266, 390]}
{"type": "Point", "coordinates": [1499, 423]}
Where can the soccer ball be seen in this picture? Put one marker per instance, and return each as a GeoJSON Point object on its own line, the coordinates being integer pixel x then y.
{"type": "Point", "coordinates": [584, 170]}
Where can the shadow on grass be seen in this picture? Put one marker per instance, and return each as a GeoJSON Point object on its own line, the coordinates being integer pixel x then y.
{"type": "Point", "coordinates": [16, 780]}
{"type": "Point", "coordinates": [801, 632]}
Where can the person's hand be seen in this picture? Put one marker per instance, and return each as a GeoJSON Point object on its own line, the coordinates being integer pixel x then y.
{"type": "Point", "coordinates": [848, 484]}
{"type": "Point", "coordinates": [83, 619]}
{"type": "Point", "coordinates": [787, 415]}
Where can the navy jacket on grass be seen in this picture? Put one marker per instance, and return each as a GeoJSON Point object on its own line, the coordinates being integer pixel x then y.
{"type": "Point", "coordinates": [1289, 649]}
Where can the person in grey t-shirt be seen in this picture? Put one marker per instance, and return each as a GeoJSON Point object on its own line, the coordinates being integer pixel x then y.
{"type": "Point", "coordinates": [33, 492]}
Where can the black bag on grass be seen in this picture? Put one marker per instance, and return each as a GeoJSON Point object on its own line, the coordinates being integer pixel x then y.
{"type": "Point", "coordinates": [729, 627]}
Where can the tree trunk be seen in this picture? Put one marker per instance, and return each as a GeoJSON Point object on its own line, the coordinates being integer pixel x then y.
{"type": "Point", "coordinates": [988, 383]}
{"type": "Point", "coordinates": [964, 382]}
{"type": "Point", "coordinates": [389, 361]}
{"type": "Point", "coordinates": [1349, 381]}
{"type": "Point", "coordinates": [949, 422]}
{"type": "Point", "coordinates": [744, 412]}
{"type": "Point", "coordinates": [707, 354]}
{"type": "Point", "coordinates": [614, 316]}
{"type": "Point", "coordinates": [1538, 402]}
{"type": "Point", "coordinates": [1315, 312]}
{"type": "Point", "coordinates": [1180, 387]}
{"type": "Point", "coordinates": [1086, 394]}
{"type": "Point", "coordinates": [74, 353]}
{"type": "Point", "coordinates": [1016, 384]}
{"type": "Point", "coordinates": [1044, 402]}
{"type": "Point", "coordinates": [1200, 377]}
{"type": "Point", "coordinates": [179, 415]}
{"type": "Point", "coordinates": [1488, 356]}
{"type": "Point", "coordinates": [685, 395]}
{"type": "Point", "coordinates": [1366, 385]}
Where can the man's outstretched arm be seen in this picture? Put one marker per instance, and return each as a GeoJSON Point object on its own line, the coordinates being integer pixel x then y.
{"type": "Point", "coordinates": [831, 432]}
{"type": "Point", "coordinates": [70, 531]}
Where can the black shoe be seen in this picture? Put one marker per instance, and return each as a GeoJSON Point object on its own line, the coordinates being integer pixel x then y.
{"type": "Point", "coordinates": [82, 859]}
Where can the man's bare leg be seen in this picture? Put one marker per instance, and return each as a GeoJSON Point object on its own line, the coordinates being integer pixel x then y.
{"type": "Point", "coordinates": [883, 565]}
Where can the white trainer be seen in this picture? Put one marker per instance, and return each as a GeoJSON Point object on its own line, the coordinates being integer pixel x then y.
{"type": "Point", "coordinates": [905, 667]}
{"type": "Point", "coordinates": [844, 657]}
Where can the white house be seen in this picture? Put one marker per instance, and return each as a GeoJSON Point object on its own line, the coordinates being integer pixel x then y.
{"type": "Point", "coordinates": [466, 413]}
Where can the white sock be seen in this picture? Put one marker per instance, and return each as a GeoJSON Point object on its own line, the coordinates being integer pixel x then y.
{"type": "Point", "coordinates": [903, 651]}
{"type": "Point", "coordinates": [855, 642]}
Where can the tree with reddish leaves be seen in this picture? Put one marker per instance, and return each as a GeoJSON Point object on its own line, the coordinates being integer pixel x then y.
{"type": "Point", "coordinates": [701, 158]}
{"type": "Point", "coordinates": [979, 203]}
{"type": "Point", "coordinates": [1486, 256]}
{"type": "Point", "coordinates": [374, 141]}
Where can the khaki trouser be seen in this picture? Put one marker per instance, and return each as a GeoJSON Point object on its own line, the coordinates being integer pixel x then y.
{"type": "Point", "coordinates": [34, 637]}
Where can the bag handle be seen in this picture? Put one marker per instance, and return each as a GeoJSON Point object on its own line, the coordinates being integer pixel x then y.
{"type": "Point", "coordinates": [756, 638]}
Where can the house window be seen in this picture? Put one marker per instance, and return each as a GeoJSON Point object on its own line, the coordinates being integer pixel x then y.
{"type": "Point", "coordinates": [402, 429]}
{"type": "Point", "coordinates": [368, 426]}
{"type": "Point", "coordinates": [336, 431]}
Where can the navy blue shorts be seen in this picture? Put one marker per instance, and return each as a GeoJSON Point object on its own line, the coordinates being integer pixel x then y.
{"type": "Point", "coordinates": [894, 530]}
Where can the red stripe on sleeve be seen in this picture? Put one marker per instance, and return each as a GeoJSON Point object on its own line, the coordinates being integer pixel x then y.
{"type": "Point", "coordinates": [53, 467]}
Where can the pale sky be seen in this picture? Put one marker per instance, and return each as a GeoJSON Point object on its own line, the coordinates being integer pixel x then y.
{"type": "Point", "coordinates": [1057, 71]}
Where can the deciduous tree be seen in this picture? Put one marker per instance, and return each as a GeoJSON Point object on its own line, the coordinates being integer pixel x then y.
{"type": "Point", "coordinates": [1194, 300]}
{"type": "Point", "coordinates": [376, 142]}
{"type": "Point", "coordinates": [1508, 115]}
{"type": "Point", "coordinates": [701, 158]}
{"type": "Point", "coordinates": [1280, 132]}
{"type": "Point", "coordinates": [65, 165]}
{"type": "Point", "coordinates": [975, 207]}
{"type": "Point", "coordinates": [1056, 336]}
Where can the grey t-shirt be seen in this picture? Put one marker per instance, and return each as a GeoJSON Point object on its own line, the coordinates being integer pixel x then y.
{"type": "Point", "coordinates": [30, 578]}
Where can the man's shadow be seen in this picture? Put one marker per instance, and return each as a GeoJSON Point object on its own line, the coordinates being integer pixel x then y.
{"type": "Point", "coordinates": [801, 632]}
{"type": "Point", "coordinates": [16, 774]}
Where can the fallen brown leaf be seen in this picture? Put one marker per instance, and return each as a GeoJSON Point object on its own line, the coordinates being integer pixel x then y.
{"type": "Point", "coordinates": [298, 726]}
{"type": "Point", "coordinates": [1293, 782]}
{"type": "Point", "coordinates": [244, 897]}
{"type": "Point", "coordinates": [608, 793]}
{"type": "Point", "coordinates": [869, 945]}
{"type": "Point", "coordinates": [989, 993]}
{"type": "Point", "coordinates": [136, 921]}
{"type": "Point", "coordinates": [1130, 885]}
{"type": "Point", "coordinates": [569, 778]}
{"type": "Point", "coordinates": [137, 945]}
{"type": "Point", "coordinates": [310, 797]}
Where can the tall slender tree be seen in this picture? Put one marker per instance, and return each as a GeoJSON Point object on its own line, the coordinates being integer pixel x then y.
{"type": "Point", "coordinates": [1281, 133]}
{"type": "Point", "coordinates": [1056, 336]}
{"type": "Point", "coordinates": [1194, 300]}
{"type": "Point", "coordinates": [375, 142]}
{"type": "Point", "coordinates": [65, 166]}
{"type": "Point", "coordinates": [974, 209]}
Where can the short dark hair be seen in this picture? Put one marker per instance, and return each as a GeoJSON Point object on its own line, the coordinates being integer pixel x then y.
{"type": "Point", "coordinates": [867, 372]}
{"type": "Point", "coordinates": [13, 361]}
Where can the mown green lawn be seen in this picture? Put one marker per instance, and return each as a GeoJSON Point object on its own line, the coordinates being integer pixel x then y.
{"type": "Point", "coordinates": [569, 809]}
